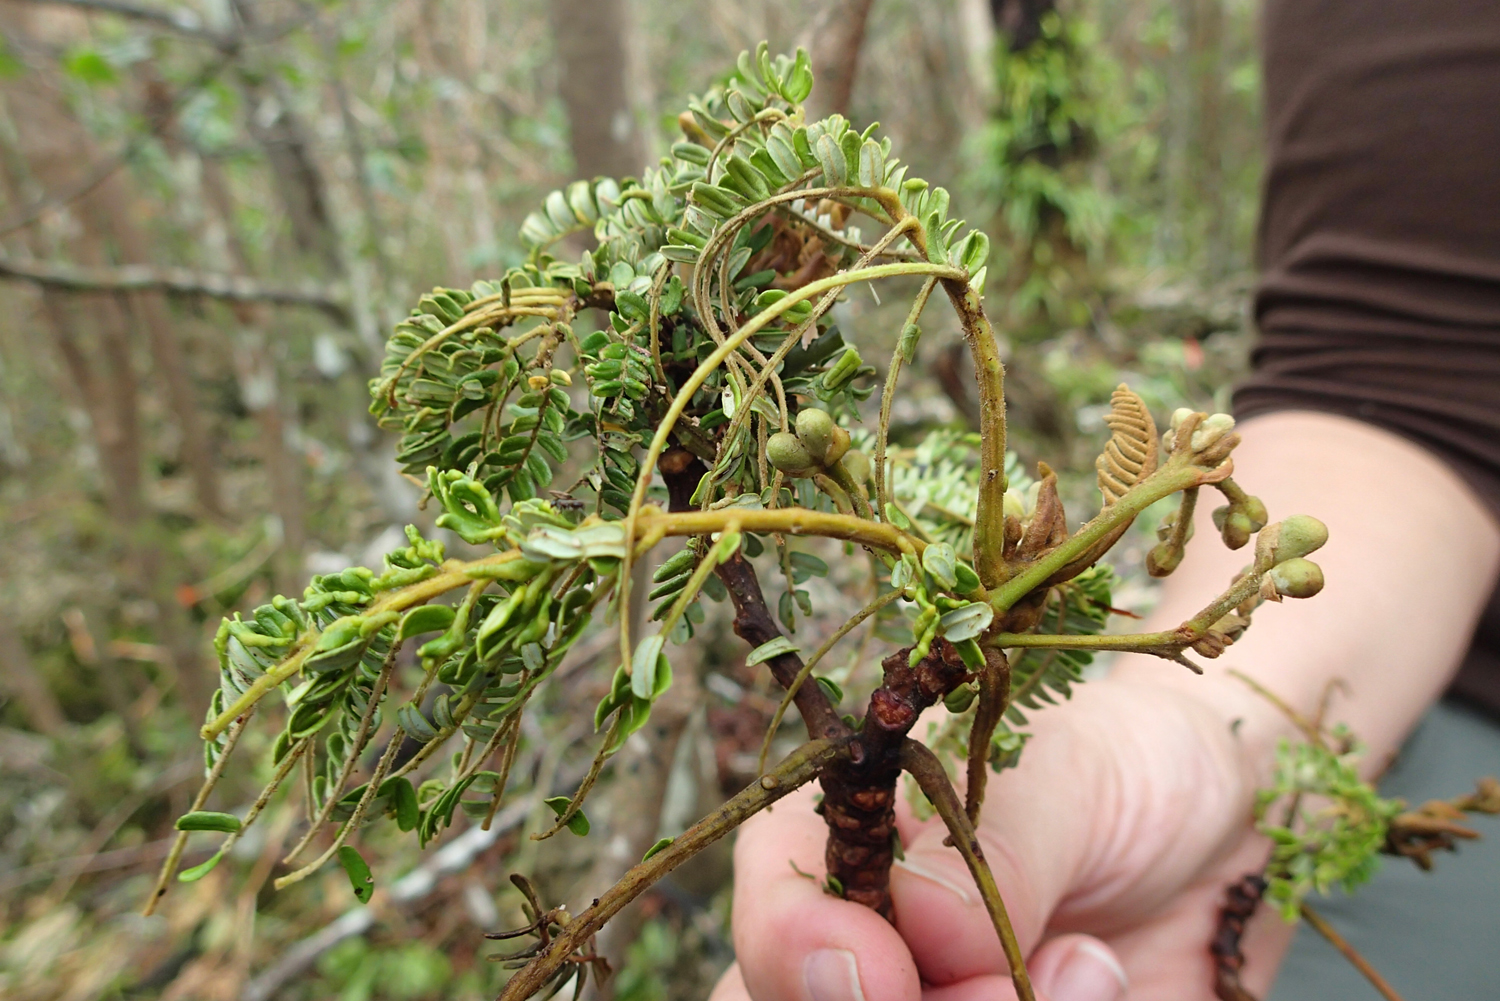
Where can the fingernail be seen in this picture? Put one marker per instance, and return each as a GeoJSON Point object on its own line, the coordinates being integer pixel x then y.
{"type": "Point", "coordinates": [933, 875]}
{"type": "Point", "coordinates": [1091, 973]}
{"type": "Point", "coordinates": [832, 975]}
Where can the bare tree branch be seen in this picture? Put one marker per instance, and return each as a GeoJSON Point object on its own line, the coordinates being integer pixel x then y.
{"type": "Point", "coordinates": [181, 21]}
{"type": "Point", "coordinates": [178, 281]}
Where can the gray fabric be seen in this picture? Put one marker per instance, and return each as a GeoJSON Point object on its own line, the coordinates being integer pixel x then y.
{"type": "Point", "coordinates": [1435, 936]}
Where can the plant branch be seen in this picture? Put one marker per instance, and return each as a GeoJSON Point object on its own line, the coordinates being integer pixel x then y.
{"type": "Point", "coordinates": [1322, 927]}
{"type": "Point", "coordinates": [994, 699]}
{"type": "Point", "coordinates": [989, 371]}
{"type": "Point", "coordinates": [931, 776]}
{"type": "Point", "coordinates": [700, 375]}
{"type": "Point", "coordinates": [893, 372]}
{"type": "Point", "coordinates": [179, 844]}
{"type": "Point", "coordinates": [654, 524]}
{"type": "Point", "coordinates": [356, 748]}
{"type": "Point", "coordinates": [754, 624]}
{"type": "Point", "coordinates": [807, 669]}
{"type": "Point", "coordinates": [179, 281]}
{"type": "Point", "coordinates": [1168, 643]}
{"type": "Point", "coordinates": [1163, 483]}
{"type": "Point", "coordinates": [800, 767]}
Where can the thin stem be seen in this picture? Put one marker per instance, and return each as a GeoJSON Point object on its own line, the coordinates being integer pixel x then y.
{"type": "Point", "coordinates": [806, 672]}
{"type": "Point", "coordinates": [700, 376]}
{"type": "Point", "coordinates": [352, 761]}
{"type": "Point", "coordinates": [989, 371]}
{"type": "Point", "coordinates": [174, 857]}
{"type": "Point", "coordinates": [654, 524]}
{"type": "Point", "coordinates": [800, 767]}
{"type": "Point", "coordinates": [994, 700]}
{"type": "Point", "coordinates": [287, 764]}
{"type": "Point", "coordinates": [933, 778]}
{"type": "Point", "coordinates": [1322, 927]}
{"type": "Point", "coordinates": [606, 751]}
{"type": "Point", "coordinates": [352, 824]}
{"type": "Point", "coordinates": [1309, 728]}
{"type": "Point", "coordinates": [507, 761]}
{"type": "Point", "coordinates": [1163, 483]}
{"type": "Point", "coordinates": [882, 433]}
{"type": "Point", "coordinates": [795, 337]}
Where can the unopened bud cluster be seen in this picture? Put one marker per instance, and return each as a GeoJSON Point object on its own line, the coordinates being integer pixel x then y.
{"type": "Point", "coordinates": [818, 445]}
{"type": "Point", "coordinates": [1282, 550]}
{"type": "Point", "coordinates": [1208, 437]}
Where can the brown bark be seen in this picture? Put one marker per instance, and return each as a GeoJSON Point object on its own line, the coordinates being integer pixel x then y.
{"type": "Point", "coordinates": [838, 37]}
{"type": "Point", "coordinates": [594, 85]}
{"type": "Point", "coordinates": [859, 795]}
{"type": "Point", "coordinates": [149, 309]}
{"type": "Point", "coordinates": [1020, 20]}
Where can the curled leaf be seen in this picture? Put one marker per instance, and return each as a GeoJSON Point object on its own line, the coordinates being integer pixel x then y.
{"type": "Point", "coordinates": [1131, 454]}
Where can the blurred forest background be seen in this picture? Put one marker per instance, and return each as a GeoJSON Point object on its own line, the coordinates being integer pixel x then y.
{"type": "Point", "coordinates": [211, 213]}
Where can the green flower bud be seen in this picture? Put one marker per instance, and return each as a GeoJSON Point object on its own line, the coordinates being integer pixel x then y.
{"type": "Point", "coordinates": [1301, 535]}
{"type": "Point", "coordinates": [1213, 428]}
{"type": "Point", "coordinates": [857, 465]}
{"type": "Point", "coordinates": [787, 453]}
{"type": "Point", "coordinates": [837, 447]}
{"type": "Point", "coordinates": [1297, 578]}
{"type": "Point", "coordinates": [1163, 559]}
{"type": "Point", "coordinates": [1256, 511]}
{"type": "Point", "coordinates": [1236, 529]}
{"type": "Point", "coordinates": [815, 429]}
{"type": "Point", "coordinates": [959, 699]}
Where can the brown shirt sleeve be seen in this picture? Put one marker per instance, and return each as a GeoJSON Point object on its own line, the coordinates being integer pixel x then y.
{"type": "Point", "coordinates": [1379, 237]}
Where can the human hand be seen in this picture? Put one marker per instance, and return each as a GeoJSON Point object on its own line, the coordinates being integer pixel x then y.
{"type": "Point", "coordinates": [1113, 844]}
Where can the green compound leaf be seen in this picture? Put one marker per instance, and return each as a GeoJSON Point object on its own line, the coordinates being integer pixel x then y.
{"type": "Point", "coordinates": [360, 877]}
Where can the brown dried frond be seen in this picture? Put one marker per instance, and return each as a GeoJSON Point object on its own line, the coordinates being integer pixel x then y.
{"type": "Point", "coordinates": [1131, 454]}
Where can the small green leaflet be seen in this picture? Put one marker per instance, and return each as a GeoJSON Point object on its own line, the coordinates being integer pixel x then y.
{"type": "Point", "coordinates": [967, 621]}
{"type": "Point", "coordinates": [200, 870]}
{"type": "Point", "coordinates": [207, 820]}
{"type": "Point", "coordinates": [404, 799]}
{"type": "Point", "coordinates": [647, 666]}
{"type": "Point", "coordinates": [775, 648]}
{"type": "Point", "coordinates": [940, 560]}
{"type": "Point", "coordinates": [829, 686]}
{"type": "Point", "coordinates": [578, 823]}
{"type": "Point", "coordinates": [426, 619]}
{"type": "Point", "coordinates": [359, 873]}
{"type": "Point", "coordinates": [895, 517]}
